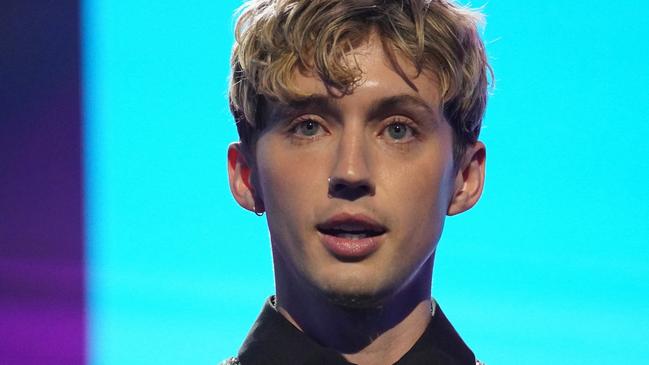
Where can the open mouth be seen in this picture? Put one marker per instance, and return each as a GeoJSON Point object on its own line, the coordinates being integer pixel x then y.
{"type": "Point", "coordinates": [352, 228]}
{"type": "Point", "coordinates": [351, 237]}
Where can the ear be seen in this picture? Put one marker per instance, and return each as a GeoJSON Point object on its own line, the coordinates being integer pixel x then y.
{"type": "Point", "coordinates": [240, 177]}
{"type": "Point", "coordinates": [469, 180]}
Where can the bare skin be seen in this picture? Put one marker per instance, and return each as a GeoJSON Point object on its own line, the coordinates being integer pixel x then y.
{"type": "Point", "coordinates": [367, 336]}
{"type": "Point", "coordinates": [391, 149]}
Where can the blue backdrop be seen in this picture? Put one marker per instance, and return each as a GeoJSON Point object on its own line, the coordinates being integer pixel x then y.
{"type": "Point", "coordinates": [556, 251]}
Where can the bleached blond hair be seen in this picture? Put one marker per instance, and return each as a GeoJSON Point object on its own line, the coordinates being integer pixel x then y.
{"type": "Point", "coordinates": [274, 38]}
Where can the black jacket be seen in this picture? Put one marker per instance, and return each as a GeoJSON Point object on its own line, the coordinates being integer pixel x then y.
{"type": "Point", "coordinates": [273, 340]}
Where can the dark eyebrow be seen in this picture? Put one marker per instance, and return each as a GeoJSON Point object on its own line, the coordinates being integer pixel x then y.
{"type": "Point", "coordinates": [328, 107]}
{"type": "Point", "coordinates": [396, 103]}
{"type": "Point", "coordinates": [315, 103]}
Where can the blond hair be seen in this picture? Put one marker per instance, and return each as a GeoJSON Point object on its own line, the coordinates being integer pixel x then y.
{"type": "Point", "coordinates": [273, 38]}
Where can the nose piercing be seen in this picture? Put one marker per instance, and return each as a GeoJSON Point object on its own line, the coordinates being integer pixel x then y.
{"type": "Point", "coordinates": [330, 181]}
{"type": "Point", "coordinates": [329, 188]}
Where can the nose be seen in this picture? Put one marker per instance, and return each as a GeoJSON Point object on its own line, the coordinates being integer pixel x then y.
{"type": "Point", "coordinates": [349, 190]}
{"type": "Point", "coordinates": [351, 178]}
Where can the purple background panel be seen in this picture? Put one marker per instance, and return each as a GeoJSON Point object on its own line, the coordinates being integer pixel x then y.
{"type": "Point", "coordinates": [41, 226]}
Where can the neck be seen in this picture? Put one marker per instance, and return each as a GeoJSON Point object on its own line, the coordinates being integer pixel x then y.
{"type": "Point", "coordinates": [379, 334]}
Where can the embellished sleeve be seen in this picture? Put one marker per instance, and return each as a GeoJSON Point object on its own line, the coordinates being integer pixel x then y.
{"type": "Point", "coordinates": [232, 361]}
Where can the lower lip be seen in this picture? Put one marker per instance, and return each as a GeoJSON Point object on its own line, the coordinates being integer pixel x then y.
{"type": "Point", "coordinates": [350, 248]}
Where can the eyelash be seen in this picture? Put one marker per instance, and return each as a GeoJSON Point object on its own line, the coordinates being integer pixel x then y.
{"type": "Point", "coordinates": [293, 129]}
{"type": "Point", "coordinates": [297, 138]}
{"type": "Point", "coordinates": [409, 124]}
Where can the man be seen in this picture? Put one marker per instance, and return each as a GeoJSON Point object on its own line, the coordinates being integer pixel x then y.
{"type": "Point", "coordinates": [358, 124]}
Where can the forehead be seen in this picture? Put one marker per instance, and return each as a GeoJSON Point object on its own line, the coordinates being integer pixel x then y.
{"type": "Point", "coordinates": [380, 77]}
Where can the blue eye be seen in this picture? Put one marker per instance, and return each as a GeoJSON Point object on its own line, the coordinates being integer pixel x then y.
{"type": "Point", "coordinates": [308, 128]}
{"type": "Point", "coordinates": [399, 130]}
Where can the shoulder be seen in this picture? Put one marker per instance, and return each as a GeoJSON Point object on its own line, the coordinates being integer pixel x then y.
{"type": "Point", "coordinates": [230, 361]}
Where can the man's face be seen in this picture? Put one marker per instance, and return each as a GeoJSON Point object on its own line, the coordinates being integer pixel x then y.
{"type": "Point", "coordinates": [356, 187]}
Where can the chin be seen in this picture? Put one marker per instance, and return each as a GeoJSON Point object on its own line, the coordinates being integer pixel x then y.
{"type": "Point", "coordinates": [354, 291]}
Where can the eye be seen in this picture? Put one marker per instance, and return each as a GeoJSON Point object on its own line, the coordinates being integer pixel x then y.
{"type": "Point", "coordinates": [399, 131]}
{"type": "Point", "coordinates": [307, 128]}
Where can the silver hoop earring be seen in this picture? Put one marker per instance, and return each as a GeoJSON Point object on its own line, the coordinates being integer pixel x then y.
{"type": "Point", "coordinates": [258, 214]}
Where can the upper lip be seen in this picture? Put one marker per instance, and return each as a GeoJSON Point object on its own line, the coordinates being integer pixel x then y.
{"type": "Point", "coordinates": [351, 223]}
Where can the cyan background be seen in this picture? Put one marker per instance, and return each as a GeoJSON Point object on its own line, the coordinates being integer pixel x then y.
{"type": "Point", "coordinates": [551, 267]}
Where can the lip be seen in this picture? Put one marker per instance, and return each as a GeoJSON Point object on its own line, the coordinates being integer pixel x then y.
{"type": "Point", "coordinates": [346, 248]}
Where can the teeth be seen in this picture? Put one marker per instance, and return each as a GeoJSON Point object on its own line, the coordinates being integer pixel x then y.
{"type": "Point", "coordinates": [351, 227]}
{"type": "Point", "coordinates": [353, 236]}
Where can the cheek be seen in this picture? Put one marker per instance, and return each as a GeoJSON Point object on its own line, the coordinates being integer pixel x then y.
{"type": "Point", "coordinates": [291, 189]}
{"type": "Point", "coordinates": [289, 182]}
{"type": "Point", "coordinates": [417, 196]}
{"type": "Point", "coordinates": [419, 193]}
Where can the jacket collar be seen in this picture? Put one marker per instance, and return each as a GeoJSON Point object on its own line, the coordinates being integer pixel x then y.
{"type": "Point", "coordinates": [274, 340]}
